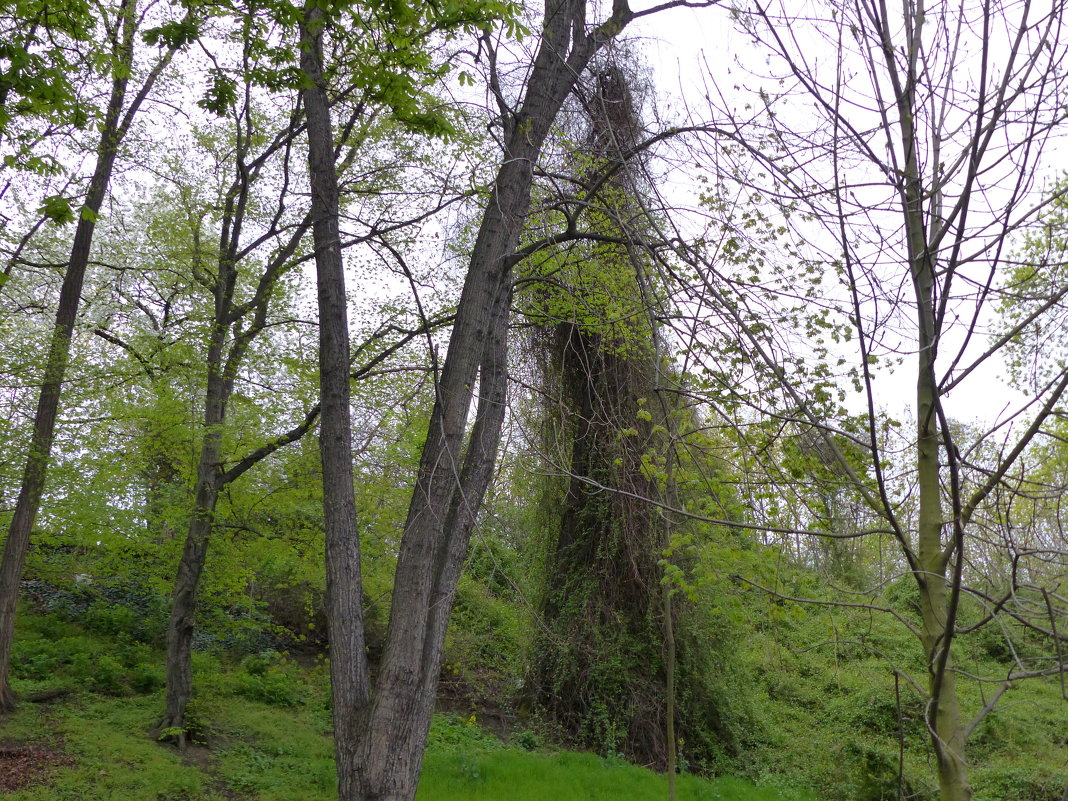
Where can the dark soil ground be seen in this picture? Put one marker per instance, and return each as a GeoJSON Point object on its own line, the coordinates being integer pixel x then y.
{"type": "Point", "coordinates": [23, 765]}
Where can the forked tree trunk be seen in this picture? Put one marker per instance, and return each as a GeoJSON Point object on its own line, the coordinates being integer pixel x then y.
{"type": "Point", "coordinates": [380, 740]}
{"type": "Point", "coordinates": [234, 327]}
{"type": "Point", "coordinates": [44, 421]}
{"type": "Point", "coordinates": [451, 481]}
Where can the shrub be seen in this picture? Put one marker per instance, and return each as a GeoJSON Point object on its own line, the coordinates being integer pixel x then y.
{"type": "Point", "coordinates": [100, 672]}
{"type": "Point", "coordinates": [1018, 783]}
{"type": "Point", "coordinates": [454, 734]}
{"type": "Point", "coordinates": [33, 660]}
{"type": "Point", "coordinates": [269, 678]}
{"type": "Point", "coordinates": [107, 618]}
{"type": "Point", "coordinates": [530, 740]}
{"type": "Point", "coordinates": [146, 678]}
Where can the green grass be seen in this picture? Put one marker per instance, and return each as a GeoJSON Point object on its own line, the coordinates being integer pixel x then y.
{"type": "Point", "coordinates": [514, 775]}
{"type": "Point", "coordinates": [114, 757]}
{"type": "Point", "coordinates": [264, 753]}
{"type": "Point", "coordinates": [821, 720]}
{"type": "Point", "coordinates": [268, 745]}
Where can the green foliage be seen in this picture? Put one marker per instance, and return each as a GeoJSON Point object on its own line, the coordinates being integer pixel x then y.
{"type": "Point", "coordinates": [147, 678]}
{"type": "Point", "coordinates": [38, 74]}
{"type": "Point", "coordinates": [108, 618]}
{"type": "Point", "coordinates": [99, 672]}
{"type": "Point", "coordinates": [451, 734]}
{"type": "Point", "coordinates": [117, 609]}
{"type": "Point", "coordinates": [174, 34]}
{"type": "Point", "coordinates": [802, 720]}
{"type": "Point", "coordinates": [271, 678]}
{"type": "Point", "coordinates": [1011, 781]}
{"type": "Point", "coordinates": [33, 660]}
{"type": "Point", "coordinates": [221, 93]}
{"type": "Point", "coordinates": [1031, 303]}
{"type": "Point", "coordinates": [487, 640]}
{"type": "Point", "coordinates": [51, 653]}
{"type": "Point", "coordinates": [527, 739]}
{"type": "Point", "coordinates": [57, 209]}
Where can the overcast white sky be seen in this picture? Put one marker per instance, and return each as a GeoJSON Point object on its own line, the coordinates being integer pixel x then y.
{"type": "Point", "coordinates": [683, 46]}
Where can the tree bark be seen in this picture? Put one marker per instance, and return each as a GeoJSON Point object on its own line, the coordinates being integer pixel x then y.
{"type": "Point", "coordinates": [183, 599]}
{"type": "Point", "coordinates": [44, 421]}
{"type": "Point", "coordinates": [350, 683]}
{"type": "Point", "coordinates": [451, 482]}
{"type": "Point", "coordinates": [380, 739]}
{"type": "Point", "coordinates": [235, 326]}
{"type": "Point", "coordinates": [944, 723]}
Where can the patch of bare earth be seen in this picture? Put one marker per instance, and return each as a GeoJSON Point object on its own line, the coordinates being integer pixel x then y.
{"type": "Point", "coordinates": [23, 765]}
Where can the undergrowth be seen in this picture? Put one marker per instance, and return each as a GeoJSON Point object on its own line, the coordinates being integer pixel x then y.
{"type": "Point", "coordinates": [818, 714]}
{"type": "Point", "coordinates": [267, 724]}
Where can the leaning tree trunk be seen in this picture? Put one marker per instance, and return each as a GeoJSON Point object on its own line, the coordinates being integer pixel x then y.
{"type": "Point", "coordinates": [44, 421]}
{"type": "Point", "coordinates": [451, 481]}
{"type": "Point", "coordinates": [183, 598]}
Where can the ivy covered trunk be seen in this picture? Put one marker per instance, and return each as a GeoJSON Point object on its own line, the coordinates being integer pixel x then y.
{"type": "Point", "coordinates": [599, 670]}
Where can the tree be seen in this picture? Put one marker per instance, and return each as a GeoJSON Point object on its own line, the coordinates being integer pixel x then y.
{"type": "Point", "coordinates": [121, 31]}
{"type": "Point", "coordinates": [918, 167]}
{"type": "Point", "coordinates": [598, 670]}
{"type": "Point", "coordinates": [240, 314]}
{"type": "Point", "coordinates": [37, 79]}
{"type": "Point", "coordinates": [381, 735]}
{"type": "Point", "coordinates": [262, 228]}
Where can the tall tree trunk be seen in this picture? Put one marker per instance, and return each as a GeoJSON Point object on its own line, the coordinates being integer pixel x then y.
{"type": "Point", "coordinates": [44, 421]}
{"type": "Point", "coordinates": [451, 483]}
{"type": "Point", "coordinates": [235, 327]}
{"type": "Point", "coordinates": [943, 716]}
{"type": "Point", "coordinates": [350, 683]}
{"type": "Point", "coordinates": [602, 670]}
{"type": "Point", "coordinates": [944, 722]}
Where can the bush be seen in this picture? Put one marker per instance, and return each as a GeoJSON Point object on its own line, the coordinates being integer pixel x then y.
{"type": "Point", "coordinates": [875, 709]}
{"type": "Point", "coordinates": [871, 774]}
{"type": "Point", "coordinates": [146, 679]}
{"type": "Point", "coordinates": [259, 664]}
{"type": "Point", "coordinates": [270, 678]}
{"type": "Point", "coordinates": [119, 609]}
{"type": "Point", "coordinates": [530, 740]}
{"type": "Point", "coordinates": [1018, 783]}
{"type": "Point", "coordinates": [107, 618]}
{"type": "Point", "coordinates": [100, 672]}
{"type": "Point", "coordinates": [455, 735]}
{"type": "Point", "coordinates": [33, 660]}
